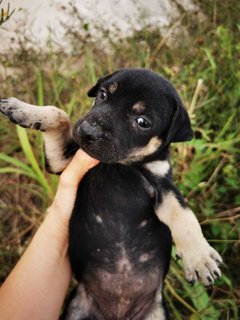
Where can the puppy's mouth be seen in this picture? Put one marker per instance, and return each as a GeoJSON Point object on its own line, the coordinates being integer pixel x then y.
{"type": "Point", "coordinates": [94, 141]}
{"type": "Point", "coordinates": [100, 150]}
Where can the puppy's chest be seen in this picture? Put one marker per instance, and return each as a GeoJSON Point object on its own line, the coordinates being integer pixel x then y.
{"type": "Point", "coordinates": [114, 197]}
{"type": "Point", "coordinates": [114, 214]}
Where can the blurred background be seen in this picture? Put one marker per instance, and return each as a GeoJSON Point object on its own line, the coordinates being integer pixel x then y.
{"type": "Point", "coordinates": [52, 52]}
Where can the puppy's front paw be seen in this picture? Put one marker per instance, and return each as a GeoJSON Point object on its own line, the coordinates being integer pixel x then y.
{"type": "Point", "coordinates": [16, 111]}
{"type": "Point", "coordinates": [200, 262]}
{"type": "Point", "coordinates": [30, 116]}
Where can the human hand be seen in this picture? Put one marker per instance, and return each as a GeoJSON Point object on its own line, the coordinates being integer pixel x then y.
{"type": "Point", "coordinates": [69, 180]}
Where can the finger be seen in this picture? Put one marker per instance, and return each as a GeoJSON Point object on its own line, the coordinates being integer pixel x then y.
{"type": "Point", "coordinates": [69, 181]}
{"type": "Point", "coordinates": [77, 168]}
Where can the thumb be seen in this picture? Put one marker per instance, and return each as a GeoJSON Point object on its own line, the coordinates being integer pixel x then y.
{"type": "Point", "coordinates": [77, 168]}
{"type": "Point", "coordinates": [68, 183]}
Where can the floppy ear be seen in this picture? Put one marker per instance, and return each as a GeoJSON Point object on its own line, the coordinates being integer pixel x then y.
{"type": "Point", "coordinates": [94, 90]}
{"type": "Point", "coordinates": [180, 127]}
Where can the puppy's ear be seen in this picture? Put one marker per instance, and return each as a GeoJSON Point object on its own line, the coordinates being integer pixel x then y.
{"type": "Point", "coordinates": [180, 127]}
{"type": "Point", "coordinates": [94, 90]}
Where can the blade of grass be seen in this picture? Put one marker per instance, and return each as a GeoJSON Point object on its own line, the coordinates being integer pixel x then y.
{"type": "Point", "coordinates": [23, 137]}
{"type": "Point", "coordinates": [195, 97]}
{"type": "Point", "coordinates": [40, 101]}
{"type": "Point", "coordinates": [18, 171]}
{"type": "Point", "coordinates": [174, 310]}
{"type": "Point", "coordinates": [91, 67]}
{"type": "Point", "coordinates": [57, 85]}
{"type": "Point", "coordinates": [210, 58]}
{"type": "Point", "coordinates": [40, 94]}
{"type": "Point", "coordinates": [180, 299]}
{"type": "Point", "coordinates": [227, 125]}
{"type": "Point", "coordinates": [15, 162]}
{"type": "Point", "coordinates": [71, 104]}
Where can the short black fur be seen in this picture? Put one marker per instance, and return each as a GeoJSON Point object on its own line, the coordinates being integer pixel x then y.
{"type": "Point", "coordinates": [118, 248]}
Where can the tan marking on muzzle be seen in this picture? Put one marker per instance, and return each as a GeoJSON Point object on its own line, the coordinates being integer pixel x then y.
{"type": "Point", "coordinates": [139, 154]}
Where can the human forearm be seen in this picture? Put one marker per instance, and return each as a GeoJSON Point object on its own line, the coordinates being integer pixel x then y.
{"type": "Point", "coordinates": [36, 287]}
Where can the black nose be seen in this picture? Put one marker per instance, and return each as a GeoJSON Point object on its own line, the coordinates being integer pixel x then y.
{"type": "Point", "coordinates": [91, 132]}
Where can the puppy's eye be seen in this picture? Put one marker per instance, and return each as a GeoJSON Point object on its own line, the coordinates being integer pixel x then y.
{"type": "Point", "coordinates": [143, 123]}
{"type": "Point", "coordinates": [102, 94]}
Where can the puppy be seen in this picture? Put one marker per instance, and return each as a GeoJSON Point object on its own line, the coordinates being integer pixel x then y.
{"type": "Point", "coordinates": [127, 209]}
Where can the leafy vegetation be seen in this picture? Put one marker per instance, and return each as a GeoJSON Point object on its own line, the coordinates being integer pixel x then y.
{"type": "Point", "coordinates": [205, 68]}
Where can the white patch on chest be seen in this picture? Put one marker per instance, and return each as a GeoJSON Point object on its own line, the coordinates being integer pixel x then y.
{"type": "Point", "coordinates": [158, 168]}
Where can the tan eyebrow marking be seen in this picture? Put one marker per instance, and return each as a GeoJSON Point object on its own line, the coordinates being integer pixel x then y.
{"type": "Point", "coordinates": [113, 87]}
{"type": "Point", "coordinates": [139, 107]}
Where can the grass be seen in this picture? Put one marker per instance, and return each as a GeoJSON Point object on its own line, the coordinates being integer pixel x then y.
{"type": "Point", "coordinates": [205, 69]}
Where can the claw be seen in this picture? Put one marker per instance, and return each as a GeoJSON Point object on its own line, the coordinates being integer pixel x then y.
{"type": "Point", "coordinates": [216, 273]}
{"type": "Point", "coordinates": [177, 257]}
{"type": "Point", "coordinates": [191, 282]}
{"type": "Point", "coordinates": [219, 262]}
{"type": "Point", "coordinates": [210, 280]}
{"type": "Point", "coordinates": [217, 257]}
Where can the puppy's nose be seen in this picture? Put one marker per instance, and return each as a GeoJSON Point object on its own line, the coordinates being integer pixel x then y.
{"type": "Point", "coordinates": [91, 132]}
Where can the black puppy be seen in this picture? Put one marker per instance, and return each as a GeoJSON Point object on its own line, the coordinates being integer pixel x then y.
{"type": "Point", "coordinates": [127, 208]}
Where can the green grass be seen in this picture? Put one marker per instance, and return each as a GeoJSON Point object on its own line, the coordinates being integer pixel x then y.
{"type": "Point", "coordinates": [205, 68]}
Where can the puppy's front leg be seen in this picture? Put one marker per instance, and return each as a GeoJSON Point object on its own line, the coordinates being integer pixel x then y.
{"type": "Point", "coordinates": [200, 260]}
{"type": "Point", "coordinates": [53, 122]}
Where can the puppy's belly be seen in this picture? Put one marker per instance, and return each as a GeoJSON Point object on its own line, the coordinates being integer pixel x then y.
{"type": "Point", "coordinates": [123, 294]}
{"type": "Point", "coordinates": [118, 248]}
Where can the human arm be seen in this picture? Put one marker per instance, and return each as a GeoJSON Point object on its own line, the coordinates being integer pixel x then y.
{"type": "Point", "coordinates": [36, 287]}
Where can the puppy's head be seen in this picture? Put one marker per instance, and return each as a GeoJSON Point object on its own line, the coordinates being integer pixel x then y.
{"type": "Point", "coordinates": [136, 114]}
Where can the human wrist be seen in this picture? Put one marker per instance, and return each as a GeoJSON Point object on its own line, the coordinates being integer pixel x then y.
{"type": "Point", "coordinates": [56, 225]}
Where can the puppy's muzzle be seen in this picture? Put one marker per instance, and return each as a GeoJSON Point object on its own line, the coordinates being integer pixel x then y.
{"type": "Point", "coordinates": [90, 131]}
